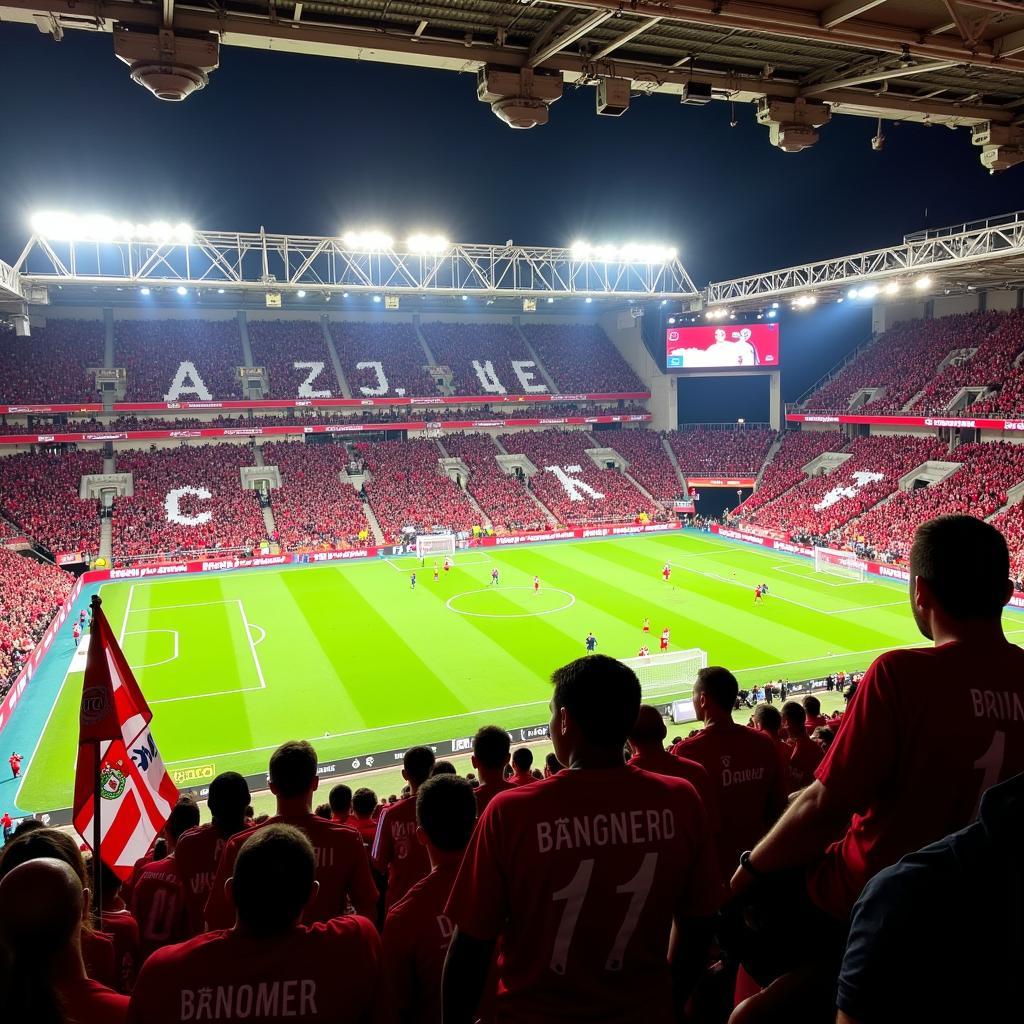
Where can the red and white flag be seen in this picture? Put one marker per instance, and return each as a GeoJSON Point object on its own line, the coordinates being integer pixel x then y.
{"type": "Point", "coordinates": [136, 792]}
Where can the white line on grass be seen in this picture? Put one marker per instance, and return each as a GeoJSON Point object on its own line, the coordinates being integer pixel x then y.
{"type": "Point", "coordinates": [252, 646]}
{"type": "Point", "coordinates": [143, 632]}
{"type": "Point", "coordinates": [127, 610]}
{"type": "Point", "coordinates": [813, 576]}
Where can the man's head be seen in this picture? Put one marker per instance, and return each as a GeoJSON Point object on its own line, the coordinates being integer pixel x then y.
{"type": "Point", "coordinates": [959, 572]}
{"type": "Point", "coordinates": [522, 760]}
{"type": "Point", "coordinates": [228, 799]}
{"type": "Point", "coordinates": [714, 693]}
{"type": "Point", "coordinates": [273, 880]}
{"type": "Point", "coordinates": [795, 717]}
{"type": "Point", "coordinates": [552, 766]}
{"type": "Point", "coordinates": [812, 706]}
{"type": "Point", "coordinates": [364, 802]}
{"type": "Point", "coordinates": [417, 765]}
{"type": "Point", "coordinates": [648, 730]}
{"type": "Point", "coordinates": [767, 719]}
{"type": "Point", "coordinates": [443, 768]}
{"type": "Point", "coordinates": [42, 904]}
{"type": "Point", "coordinates": [446, 814]}
{"type": "Point", "coordinates": [595, 704]}
{"type": "Point", "coordinates": [340, 799]}
{"type": "Point", "coordinates": [184, 815]}
{"type": "Point", "coordinates": [293, 770]}
{"type": "Point", "coordinates": [491, 746]}
{"type": "Point", "coordinates": [43, 844]}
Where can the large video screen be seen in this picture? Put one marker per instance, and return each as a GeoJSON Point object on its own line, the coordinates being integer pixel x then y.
{"type": "Point", "coordinates": [718, 347]}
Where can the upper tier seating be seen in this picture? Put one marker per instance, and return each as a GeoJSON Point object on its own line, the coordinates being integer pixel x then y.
{"type": "Point", "coordinates": [648, 461]}
{"type": "Point", "coordinates": [153, 352]}
{"type": "Point", "coordinates": [460, 346]}
{"type": "Point", "coordinates": [702, 451]}
{"type": "Point", "coordinates": [581, 359]}
{"type": "Point", "coordinates": [278, 345]}
{"type": "Point", "coordinates": [162, 519]}
{"type": "Point", "coordinates": [409, 489]}
{"type": "Point", "coordinates": [39, 493]}
{"type": "Point", "coordinates": [50, 366]}
{"type": "Point", "coordinates": [605, 494]}
{"type": "Point", "coordinates": [1011, 523]}
{"type": "Point", "coordinates": [395, 356]}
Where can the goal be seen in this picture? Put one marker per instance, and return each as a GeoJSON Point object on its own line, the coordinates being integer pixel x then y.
{"type": "Point", "coordinates": [665, 675]}
{"type": "Point", "coordinates": [840, 563]}
{"type": "Point", "coordinates": [428, 545]}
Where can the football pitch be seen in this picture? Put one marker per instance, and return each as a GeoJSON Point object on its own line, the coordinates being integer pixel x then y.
{"type": "Point", "coordinates": [352, 658]}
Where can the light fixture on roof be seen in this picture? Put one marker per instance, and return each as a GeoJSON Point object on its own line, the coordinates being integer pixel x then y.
{"type": "Point", "coordinates": [427, 244]}
{"type": "Point", "coordinates": [868, 291]}
{"type": "Point", "coordinates": [376, 298]}
{"type": "Point", "coordinates": [804, 302]}
{"type": "Point", "coordinates": [891, 288]}
{"type": "Point", "coordinates": [99, 227]}
{"type": "Point", "coordinates": [631, 252]}
{"type": "Point", "coordinates": [368, 241]}
{"type": "Point", "coordinates": [181, 290]}
{"type": "Point", "coordinates": [588, 300]}
{"type": "Point", "coordinates": [143, 291]}
{"type": "Point", "coordinates": [465, 298]}
{"type": "Point", "coordinates": [301, 293]}
{"type": "Point", "coordinates": [923, 283]}
{"type": "Point", "coordinates": [220, 291]}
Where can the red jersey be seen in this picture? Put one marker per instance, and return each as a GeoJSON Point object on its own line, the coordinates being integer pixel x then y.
{"type": "Point", "coordinates": [100, 957]}
{"type": "Point", "coordinates": [416, 937]}
{"type": "Point", "coordinates": [342, 869]}
{"type": "Point", "coordinates": [805, 756]}
{"type": "Point", "coordinates": [123, 929]}
{"type": "Point", "coordinates": [927, 732]}
{"type": "Point", "coordinates": [664, 643]}
{"type": "Point", "coordinates": [744, 770]}
{"type": "Point", "coordinates": [197, 855]}
{"type": "Point", "coordinates": [327, 971]}
{"type": "Point", "coordinates": [815, 722]}
{"type": "Point", "coordinates": [485, 794]}
{"type": "Point", "coordinates": [367, 829]}
{"type": "Point", "coordinates": [682, 768]}
{"type": "Point", "coordinates": [88, 1002]}
{"type": "Point", "coordinates": [666, 572]}
{"type": "Point", "coordinates": [158, 904]}
{"type": "Point", "coordinates": [396, 850]}
{"type": "Point", "coordinates": [520, 779]}
{"type": "Point", "coordinates": [581, 876]}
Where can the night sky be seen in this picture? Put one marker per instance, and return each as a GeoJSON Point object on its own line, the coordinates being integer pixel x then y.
{"type": "Point", "coordinates": [314, 145]}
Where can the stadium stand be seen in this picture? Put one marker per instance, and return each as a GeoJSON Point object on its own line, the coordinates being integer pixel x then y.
{"type": "Point", "coordinates": [460, 346]}
{"type": "Point", "coordinates": [648, 462]}
{"type": "Point", "coordinates": [706, 451]}
{"type": "Point", "coordinates": [394, 347]}
{"type": "Point", "coordinates": [50, 367]}
{"type": "Point", "coordinates": [313, 507]}
{"type": "Point", "coordinates": [278, 345]}
{"type": "Point", "coordinates": [603, 494]}
{"type": "Point", "coordinates": [1011, 524]}
{"type": "Point", "coordinates": [581, 359]}
{"type": "Point", "coordinates": [228, 518]}
{"type": "Point", "coordinates": [409, 489]}
{"type": "Point", "coordinates": [152, 352]}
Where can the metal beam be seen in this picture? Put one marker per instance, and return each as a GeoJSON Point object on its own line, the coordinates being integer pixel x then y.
{"type": "Point", "coordinates": [845, 10]}
{"type": "Point", "coordinates": [1010, 44]}
{"type": "Point", "coordinates": [629, 36]}
{"type": "Point", "coordinates": [878, 76]}
{"type": "Point", "coordinates": [568, 37]}
{"type": "Point", "coordinates": [168, 13]}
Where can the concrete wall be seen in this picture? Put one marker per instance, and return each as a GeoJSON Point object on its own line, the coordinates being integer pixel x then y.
{"type": "Point", "coordinates": [624, 332]}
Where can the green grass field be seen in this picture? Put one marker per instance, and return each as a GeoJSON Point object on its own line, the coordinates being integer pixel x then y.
{"type": "Point", "coordinates": [350, 657]}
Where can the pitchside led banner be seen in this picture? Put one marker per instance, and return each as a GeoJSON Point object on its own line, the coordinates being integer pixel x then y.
{"type": "Point", "coordinates": [747, 346]}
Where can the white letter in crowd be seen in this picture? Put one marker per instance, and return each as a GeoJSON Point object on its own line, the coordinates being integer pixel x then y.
{"type": "Point", "coordinates": [519, 368]}
{"type": "Point", "coordinates": [188, 382]}
{"type": "Point", "coordinates": [382, 381]}
{"type": "Point", "coordinates": [172, 503]}
{"type": "Point", "coordinates": [573, 487]}
{"type": "Point", "coordinates": [306, 387]}
{"type": "Point", "coordinates": [488, 378]}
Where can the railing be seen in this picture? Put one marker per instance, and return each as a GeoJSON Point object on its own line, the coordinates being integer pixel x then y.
{"type": "Point", "coordinates": [160, 557]}
{"type": "Point", "coordinates": [733, 425]}
{"type": "Point", "coordinates": [972, 225]}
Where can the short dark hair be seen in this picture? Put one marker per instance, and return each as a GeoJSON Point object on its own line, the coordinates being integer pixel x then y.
{"type": "Point", "coordinates": [796, 714]}
{"type": "Point", "coordinates": [184, 815]}
{"type": "Point", "coordinates": [602, 696]}
{"type": "Point", "coordinates": [443, 768]}
{"type": "Point", "coordinates": [649, 726]}
{"type": "Point", "coordinates": [273, 878]}
{"type": "Point", "coordinates": [523, 759]}
{"type": "Point", "coordinates": [418, 764]}
{"type": "Point", "coordinates": [768, 718]}
{"type": "Point", "coordinates": [491, 746]}
{"type": "Point", "coordinates": [364, 801]}
{"type": "Point", "coordinates": [229, 797]}
{"type": "Point", "coordinates": [293, 768]}
{"type": "Point", "coordinates": [553, 764]}
{"type": "Point", "coordinates": [340, 798]}
{"type": "Point", "coordinates": [811, 705]}
{"type": "Point", "coordinates": [720, 685]}
{"type": "Point", "coordinates": [965, 563]}
{"type": "Point", "coordinates": [446, 811]}
{"type": "Point", "coordinates": [43, 843]}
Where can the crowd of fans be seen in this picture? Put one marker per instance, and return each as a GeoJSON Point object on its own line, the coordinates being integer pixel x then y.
{"type": "Point", "coordinates": [735, 451]}
{"type": "Point", "coordinates": [581, 359]}
{"type": "Point", "coordinates": [277, 345]}
{"type": "Point", "coordinates": [397, 350]}
{"type": "Point", "coordinates": [501, 495]}
{"type": "Point", "coordinates": [314, 506]}
{"type": "Point", "coordinates": [458, 346]}
{"type": "Point", "coordinates": [152, 351]}
{"type": "Point", "coordinates": [52, 365]}
{"type": "Point", "coordinates": [149, 522]}
{"type": "Point", "coordinates": [648, 462]}
{"type": "Point", "coordinates": [606, 493]}
{"type": "Point", "coordinates": [408, 489]}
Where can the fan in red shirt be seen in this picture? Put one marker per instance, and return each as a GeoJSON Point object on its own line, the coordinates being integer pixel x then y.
{"type": "Point", "coordinates": [582, 876]}
{"type": "Point", "coordinates": [120, 924]}
{"type": "Point", "coordinates": [743, 766]}
{"type": "Point", "coordinates": [158, 898]}
{"type": "Point", "coordinates": [364, 803]}
{"type": "Point", "coordinates": [768, 720]}
{"type": "Point", "coordinates": [42, 906]}
{"type": "Point", "coordinates": [417, 931]}
{"type": "Point", "coordinates": [199, 850]}
{"type": "Point", "coordinates": [927, 732]}
{"type": "Point", "coordinates": [805, 754]}
{"type": "Point", "coordinates": [812, 710]}
{"type": "Point", "coordinates": [343, 872]}
{"type": "Point", "coordinates": [491, 747]}
{"type": "Point", "coordinates": [268, 967]}
{"type": "Point", "coordinates": [340, 801]}
{"type": "Point", "coordinates": [15, 762]}
{"type": "Point", "coordinates": [522, 767]}
{"type": "Point", "coordinates": [647, 742]}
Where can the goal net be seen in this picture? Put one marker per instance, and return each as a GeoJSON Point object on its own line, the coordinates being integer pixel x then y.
{"type": "Point", "coordinates": [430, 545]}
{"type": "Point", "coordinates": [840, 563]}
{"type": "Point", "coordinates": [663, 676]}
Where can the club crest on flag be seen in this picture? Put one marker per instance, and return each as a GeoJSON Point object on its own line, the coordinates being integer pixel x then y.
{"type": "Point", "coordinates": [112, 783]}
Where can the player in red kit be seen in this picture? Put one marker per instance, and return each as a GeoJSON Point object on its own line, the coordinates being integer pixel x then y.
{"type": "Point", "coordinates": [665, 637]}
{"type": "Point", "coordinates": [928, 731]}
{"type": "Point", "coordinates": [536, 584]}
{"type": "Point", "coordinates": [757, 594]}
{"type": "Point", "coordinates": [646, 627]}
{"type": "Point", "coordinates": [417, 931]}
{"type": "Point", "coordinates": [666, 572]}
{"type": "Point", "coordinates": [268, 966]}
{"type": "Point", "coordinates": [447, 564]}
{"type": "Point", "coordinates": [491, 752]}
{"type": "Point", "coordinates": [396, 853]}
{"type": "Point", "coordinates": [199, 850]}
{"type": "Point", "coordinates": [343, 872]}
{"type": "Point", "coordinates": [582, 876]}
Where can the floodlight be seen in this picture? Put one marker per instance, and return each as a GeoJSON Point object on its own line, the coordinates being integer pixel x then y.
{"type": "Point", "coordinates": [182, 290]}
{"type": "Point", "coordinates": [301, 294]}
{"type": "Point", "coordinates": [465, 298]}
{"type": "Point", "coordinates": [923, 282]}
{"type": "Point", "coordinates": [143, 291]}
{"type": "Point", "coordinates": [853, 293]}
{"type": "Point", "coordinates": [772, 314]}
{"type": "Point", "coordinates": [220, 291]}
{"type": "Point", "coordinates": [588, 300]}
{"type": "Point", "coordinates": [427, 244]}
{"type": "Point", "coordinates": [804, 301]}
{"type": "Point", "coordinates": [891, 288]}
{"type": "Point", "coordinates": [376, 298]}
{"type": "Point", "coordinates": [869, 291]}
{"type": "Point", "coordinates": [550, 300]}
{"type": "Point", "coordinates": [775, 305]}
{"type": "Point", "coordinates": [368, 241]}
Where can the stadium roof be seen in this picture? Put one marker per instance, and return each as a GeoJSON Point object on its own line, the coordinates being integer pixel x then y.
{"type": "Point", "coordinates": [956, 62]}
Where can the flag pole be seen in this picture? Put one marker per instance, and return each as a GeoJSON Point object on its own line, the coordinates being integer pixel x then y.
{"type": "Point", "coordinates": [97, 802]}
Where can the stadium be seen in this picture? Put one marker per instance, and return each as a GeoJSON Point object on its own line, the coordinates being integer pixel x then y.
{"type": "Point", "coordinates": [356, 496]}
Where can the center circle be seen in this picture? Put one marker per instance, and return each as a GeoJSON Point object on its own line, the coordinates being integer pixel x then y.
{"type": "Point", "coordinates": [544, 605]}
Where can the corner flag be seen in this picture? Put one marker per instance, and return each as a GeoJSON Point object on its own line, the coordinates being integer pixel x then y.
{"type": "Point", "coordinates": [120, 773]}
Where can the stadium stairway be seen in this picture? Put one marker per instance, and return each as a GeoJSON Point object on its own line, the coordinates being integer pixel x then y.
{"type": "Point", "coordinates": [636, 483]}
{"type": "Point", "coordinates": [243, 333]}
{"type": "Point", "coordinates": [545, 376]}
{"type": "Point", "coordinates": [268, 520]}
{"type": "Point", "coordinates": [683, 490]}
{"type": "Point", "coordinates": [769, 455]}
{"type": "Point", "coordinates": [371, 519]}
{"type": "Point", "coordinates": [431, 361]}
{"type": "Point", "coordinates": [106, 538]}
{"type": "Point", "coordinates": [346, 391]}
